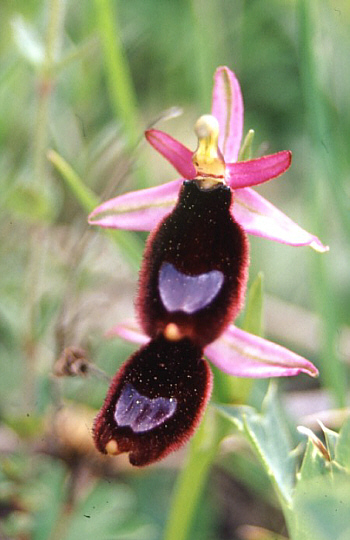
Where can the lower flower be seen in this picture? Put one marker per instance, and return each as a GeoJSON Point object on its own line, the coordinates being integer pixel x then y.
{"type": "Point", "coordinates": [154, 402]}
{"type": "Point", "coordinates": [157, 398]}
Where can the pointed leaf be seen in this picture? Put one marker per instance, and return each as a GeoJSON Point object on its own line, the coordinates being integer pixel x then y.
{"type": "Point", "coordinates": [256, 171]}
{"type": "Point", "coordinates": [342, 449]}
{"type": "Point", "coordinates": [175, 152]}
{"type": "Point", "coordinates": [322, 450]}
{"type": "Point", "coordinates": [244, 355]}
{"type": "Point", "coordinates": [227, 107]}
{"type": "Point", "coordinates": [258, 216]}
{"type": "Point", "coordinates": [331, 439]}
{"type": "Point", "coordinates": [269, 436]}
{"type": "Point", "coordinates": [246, 151]}
{"type": "Point", "coordinates": [254, 307]}
{"type": "Point", "coordinates": [313, 465]}
{"type": "Point", "coordinates": [138, 210]}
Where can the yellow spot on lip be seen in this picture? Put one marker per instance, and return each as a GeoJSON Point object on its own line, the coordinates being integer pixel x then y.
{"type": "Point", "coordinates": [208, 160]}
{"type": "Point", "coordinates": [112, 448]}
{"type": "Point", "coordinates": [172, 332]}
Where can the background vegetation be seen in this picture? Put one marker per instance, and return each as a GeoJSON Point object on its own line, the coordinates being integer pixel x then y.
{"type": "Point", "coordinates": [79, 83]}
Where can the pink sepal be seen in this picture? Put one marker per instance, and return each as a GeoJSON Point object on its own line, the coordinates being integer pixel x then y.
{"type": "Point", "coordinates": [130, 331]}
{"type": "Point", "coordinates": [176, 153]}
{"type": "Point", "coordinates": [259, 217]}
{"type": "Point", "coordinates": [244, 355]}
{"type": "Point", "coordinates": [256, 171]}
{"type": "Point", "coordinates": [227, 107]}
{"type": "Point", "coordinates": [237, 353]}
{"type": "Point", "coordinates": [138, 210]}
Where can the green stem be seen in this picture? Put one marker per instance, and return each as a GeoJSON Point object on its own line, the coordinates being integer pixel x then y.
{"type": "Point", "coordinates": [192, 479]}
{"type": "Point", "coordinates": [207, 44]}
{"type": "Point", "coordinates": [332, 370]}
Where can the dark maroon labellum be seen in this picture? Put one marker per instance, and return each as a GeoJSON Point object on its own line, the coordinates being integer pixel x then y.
{"type": "Point", "coordinates": [155, 401]}
{"type": "Point", "coordinates": [192, 284]}
{"type": "Point", "coordinates": [195, 267]}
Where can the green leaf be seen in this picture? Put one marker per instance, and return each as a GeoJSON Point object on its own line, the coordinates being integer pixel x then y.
{"type": "Point", "coordinates": [108, 511]}
{"type": "Point", "coordinates": [320, 503]}
{"type": "Point", "coordinates": [47, 497]}
{"type": "Point", "coordinates": [313, 465]}
{"type": "Point", "coordinates": [331, 438]}
{"type": "Point", "coordinates": [342, 448]}
{"type": "Point", "coordinates": [322, 509]}
{"type": "Point", "coordinates": [269, 436]}
{"type": "Point", "coordinates": [246, 152]}
{"type": "Point", "coordinates": [253, 319]}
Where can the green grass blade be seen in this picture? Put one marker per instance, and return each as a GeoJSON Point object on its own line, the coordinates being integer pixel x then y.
{"type": "Point", "coordinates": [129, 243]}
{"type": "Point", "coordinates": [120, 83]}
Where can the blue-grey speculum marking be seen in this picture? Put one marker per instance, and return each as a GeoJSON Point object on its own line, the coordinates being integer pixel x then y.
{"type": "Point", "coordinates": [141, 413]}
{"type": "Point", "coordinates": [180, 292]}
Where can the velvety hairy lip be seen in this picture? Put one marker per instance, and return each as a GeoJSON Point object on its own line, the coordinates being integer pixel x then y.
{"type": "Point", "coordinates": [154, 402]}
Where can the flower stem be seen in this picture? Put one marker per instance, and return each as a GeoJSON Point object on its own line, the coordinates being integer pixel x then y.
{"type": "Point", "coordinates": [192, 479]}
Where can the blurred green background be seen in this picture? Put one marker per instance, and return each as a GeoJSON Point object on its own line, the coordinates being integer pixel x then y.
{"type": "Point", "coordinates": [85, 79]}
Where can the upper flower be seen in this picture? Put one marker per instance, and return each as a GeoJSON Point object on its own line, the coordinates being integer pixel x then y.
{"type": "Point", "coordinates": [143, 209]}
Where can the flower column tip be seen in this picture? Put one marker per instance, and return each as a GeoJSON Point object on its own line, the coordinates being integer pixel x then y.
{"type": "Point", "coordinates": [207, 159]}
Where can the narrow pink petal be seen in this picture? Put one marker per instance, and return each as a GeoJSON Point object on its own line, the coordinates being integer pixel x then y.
{"type": "Point", "coordinates": [258, 216]}
{"type": "Point", "coordinates": [227, 107]}
{"type": "Point", "coordinates": [244, 355]}
{"type": "Point", "coordinates": [130, 331]}
{"type": "Point", "coordinates": [175, 152]}
{"type": "Point", "coordinates": [237, 353]}
{"type": "Point", "coordinates": [138, 210]}
{"type": "Point", "coordinates": [256, 171]}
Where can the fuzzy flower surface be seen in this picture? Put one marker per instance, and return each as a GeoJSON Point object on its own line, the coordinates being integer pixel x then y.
{"type": "Point", "coordinates": [192, 283]}
{"type": "Point", "coordinates": [235, 352]}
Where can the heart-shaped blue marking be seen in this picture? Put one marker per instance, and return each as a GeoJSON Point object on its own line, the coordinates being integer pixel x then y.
{"type": "Point", "coordinates": [141, 413]}
{"type": "Point", "coordinates": [180, 292]}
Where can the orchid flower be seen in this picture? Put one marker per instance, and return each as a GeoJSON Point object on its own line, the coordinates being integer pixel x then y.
{"type": "Point", "coordinates": [192, 283]}
{"type": "Point", "coordinates": [144, 209]}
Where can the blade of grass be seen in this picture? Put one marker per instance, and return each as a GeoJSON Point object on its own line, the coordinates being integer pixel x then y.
{"type": "Point", "coordinates": [130, 245]}
{"type": "Point", "coordinates": [206, 21]}
{"type": "Point", "coordinates": [120, 84]}
{"type": "Point", "coordinates": [332, 371]}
